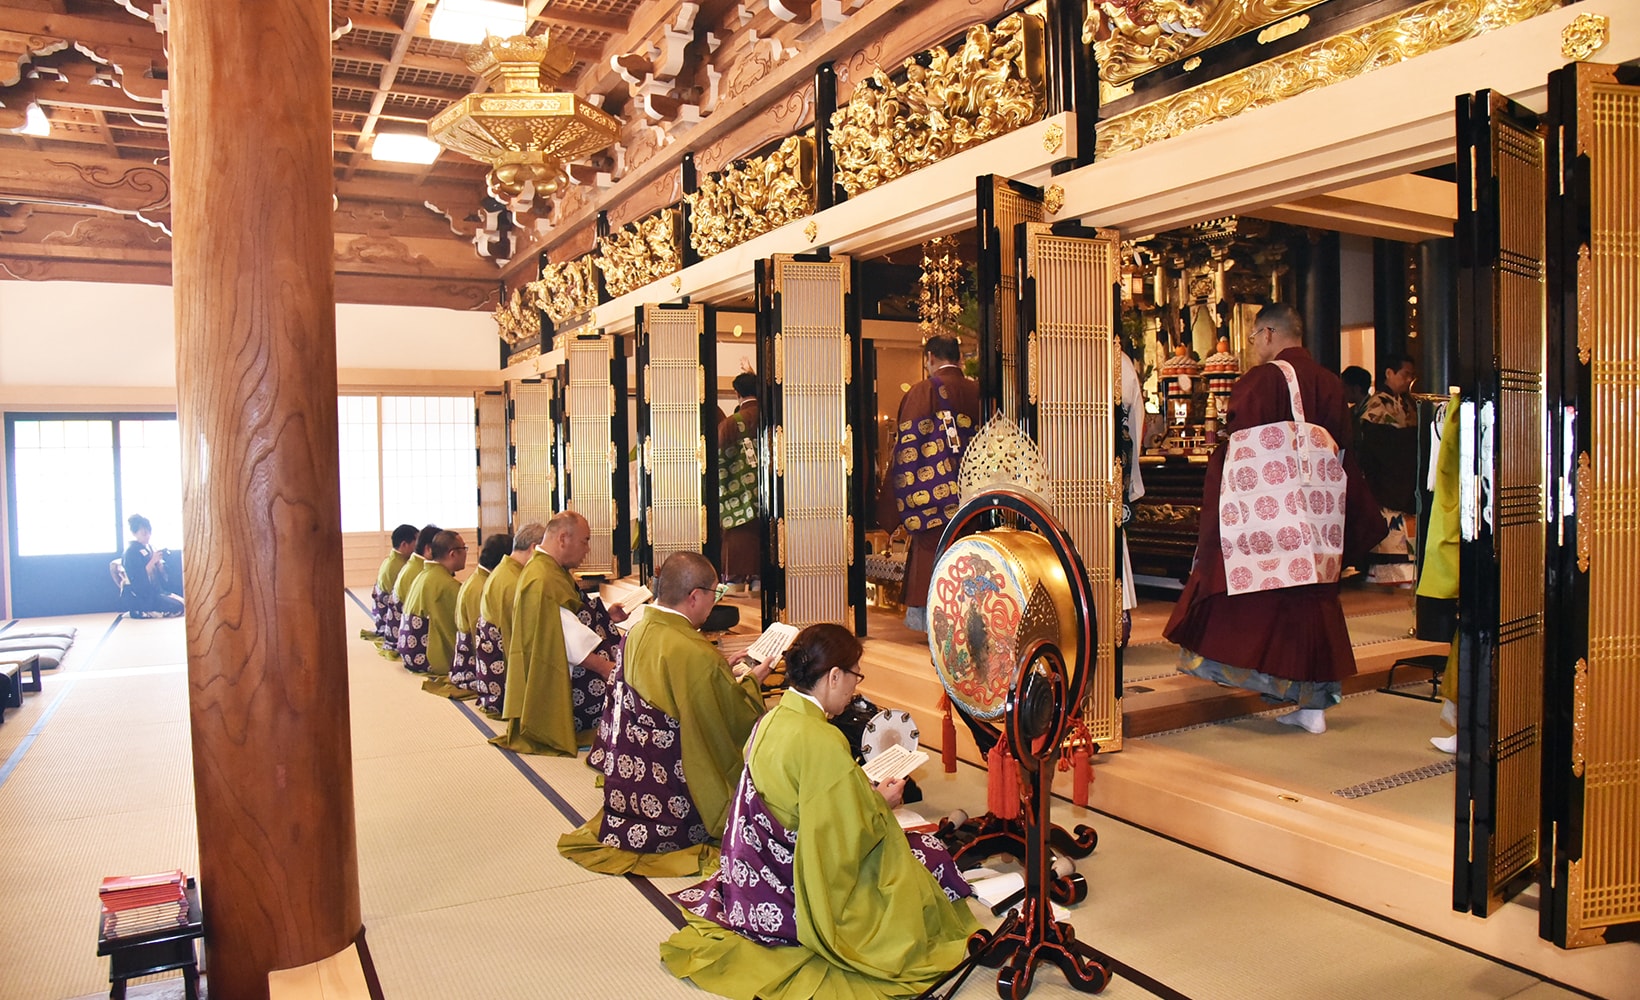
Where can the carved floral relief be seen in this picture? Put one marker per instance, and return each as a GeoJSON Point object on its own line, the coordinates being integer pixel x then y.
{"type": "Point", "coordinates": [759, 195]}
{"type": "Point", "coordinates": [634, 256]}
{"type": "Point", "coordinates": [949, 101]}
{"type": "Point", "coordinates": [564, 290]}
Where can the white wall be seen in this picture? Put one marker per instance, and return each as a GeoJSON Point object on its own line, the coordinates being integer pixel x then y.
{"type": "Point", "coordinates": [80, 334]}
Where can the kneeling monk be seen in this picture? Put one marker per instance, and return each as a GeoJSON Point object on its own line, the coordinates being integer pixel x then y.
{"type": "Point", "coordinates": [820, 893]}
{"type": "Point", "coordinates": [671, 737]}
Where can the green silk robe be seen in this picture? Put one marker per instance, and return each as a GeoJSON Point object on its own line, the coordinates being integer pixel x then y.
{"type": "Point", "coordinates": [386, 576]}
{"type": "Point", "coordinates": [537, 703]}
{"type": "Point", "coordinates": [871, 921]}
{"type": "Point", "coordinates": [407, 576]}
{"type": "Point", "coordinates": [495, 605]}
{"type": "Point", "coordinates": [433, 597]}
{"type": "Point", "coordinates": [466, 620]}
{"type": "Point", "coordinates": [389, 573]}
{"type": "Point", "coordinates": [467, 599]}
{"type": "Point", "coordinates": [671, 665]}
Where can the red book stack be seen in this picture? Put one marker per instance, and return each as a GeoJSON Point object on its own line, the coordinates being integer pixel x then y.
{"type": "Point", "coordinates": [137, 904]}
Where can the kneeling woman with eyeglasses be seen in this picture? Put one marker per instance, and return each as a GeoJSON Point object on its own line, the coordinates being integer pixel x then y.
{"type": "Point", "coordinates": [820, 893]}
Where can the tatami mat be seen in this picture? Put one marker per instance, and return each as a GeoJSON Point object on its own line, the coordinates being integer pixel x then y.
{"type": "Point", "coordinates": [465, 896]}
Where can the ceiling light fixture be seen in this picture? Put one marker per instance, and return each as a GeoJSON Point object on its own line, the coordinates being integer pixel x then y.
{"type": "Point", "coordinates": [468, 21]}
{"type": "Point", "coordinates": [526, 133]}
{"type": "Point", "coordinates": [400, 148]}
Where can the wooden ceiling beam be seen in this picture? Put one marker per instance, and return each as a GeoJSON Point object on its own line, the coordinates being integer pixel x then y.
{"type": "Point", "coordinates": [389, 74]}
{"type": "Point", "coordinates": [550, 12]}
{"type": "Point", "coordinates": [121, 31]}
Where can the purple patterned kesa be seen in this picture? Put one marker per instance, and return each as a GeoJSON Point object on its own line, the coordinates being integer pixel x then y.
{"type": "Point", "coordinates": [413, 643]}
{"type": "Point", "coordinates": [647, 805]}
{"type": "Point", "coordinates": [489, 668]}
{"type": "Point", "coordinates": [751, 894]}
{"type": "Point", "coordinates": [462, 666]}
{"type": "Point", "coordinates": [589, 692]}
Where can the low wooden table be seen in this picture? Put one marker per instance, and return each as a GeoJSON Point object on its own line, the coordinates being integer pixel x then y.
{"type": "Point", "coordinates": [154, 951]}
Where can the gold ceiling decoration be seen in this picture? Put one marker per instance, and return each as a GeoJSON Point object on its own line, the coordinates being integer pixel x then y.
{"type": "Point", "coordinates": [517, 319]}
{"type": "Point", "coordinates": [648, 251]}
{"type": "Point", "coordinates": [524, 132]}
{"type": "Point", "coordinates": [1412, 32]}
{"type": "Point", "coordinates": [990, 86]}
{"type": "Point", "coordinates": [565, 290]}
{"type": "Point", "coordinates": [1132, 37]}
{"type": "Point", "coordinates": [754, 197]}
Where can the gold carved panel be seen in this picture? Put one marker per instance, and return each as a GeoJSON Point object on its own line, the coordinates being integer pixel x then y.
{"type": "Point", "coordinates": [518, 319]}
{"type": "Point", "coordinates": [646, 252]}
{"type": "Point", "coordinates": [565, 290]}
{"type": "Point", "coordinates": [1385, 42]}
{"type": "Point", "coordinates": [991, 85]}
{"type": "Point", "coordinates": [753, 197]}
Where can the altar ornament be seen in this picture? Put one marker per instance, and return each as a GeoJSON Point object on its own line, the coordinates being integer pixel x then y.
{"type": "Point", "coordinates": [999, 454]}
{"type": "Point", "coordinates": [1012, 639]}
{"type": "Point", "coordinates": [1181, 377]}
{"type": "Point", "coordinates": [939, 299]}
{"type": "Point", "coordinates": [1221, 369]}
{"type": "Point", "coordinates": [526, 133]}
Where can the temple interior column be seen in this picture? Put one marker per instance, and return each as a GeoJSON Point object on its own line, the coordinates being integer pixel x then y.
{"type": "Point", "coordinates": [1318, 297]}
{"type": "Point", "coordinates": [256, 377]}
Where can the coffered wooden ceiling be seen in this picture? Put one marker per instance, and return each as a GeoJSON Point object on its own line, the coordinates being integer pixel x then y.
{"type": "Point", "coordinates": [91, 200]}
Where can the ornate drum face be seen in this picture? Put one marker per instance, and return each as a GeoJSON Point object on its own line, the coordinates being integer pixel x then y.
{"type": "Point", "coordinates": [976, 607]}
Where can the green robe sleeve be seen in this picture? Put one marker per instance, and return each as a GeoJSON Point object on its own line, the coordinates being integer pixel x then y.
{"type": "Point", "coordinates": [467, 600]}
{"type": "Point", "coordinates": [496, 604]}
{"type": "Point", "coordinates": [407, 576]}
{"type": "Point", "coordinates": [675, 669]}
{"type": "Point", "coordinates": [390, 569]}
{"type": "Point", "coordinates": [537, 701]}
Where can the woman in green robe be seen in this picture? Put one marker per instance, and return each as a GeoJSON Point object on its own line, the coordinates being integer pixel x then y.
{"type": "Point", "coordinates": [870, 919]}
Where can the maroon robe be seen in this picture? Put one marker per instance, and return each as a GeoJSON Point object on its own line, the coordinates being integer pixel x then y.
{"type": "Point", "coordinates": [1296, 632]}
{"type": "Point", "coordinates": [919, 404]}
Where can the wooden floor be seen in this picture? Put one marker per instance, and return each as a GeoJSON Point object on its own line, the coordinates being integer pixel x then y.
{"type": "Point", "coordinates": [465, 896]}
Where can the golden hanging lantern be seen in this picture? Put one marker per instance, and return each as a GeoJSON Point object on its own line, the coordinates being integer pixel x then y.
{"type": "Point", "coordinates": [525, 132]}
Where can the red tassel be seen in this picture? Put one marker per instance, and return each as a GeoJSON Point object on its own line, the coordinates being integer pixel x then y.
{"type": "Point", "coordinates": [1002, 784]}
{"type": "Point", "coordinates": [948, 737]}
{"type": "Point", "coordinates": [1082, 776]}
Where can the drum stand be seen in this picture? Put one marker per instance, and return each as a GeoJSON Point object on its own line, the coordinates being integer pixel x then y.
{"type": "Point", "coordinates": [1030, 934]}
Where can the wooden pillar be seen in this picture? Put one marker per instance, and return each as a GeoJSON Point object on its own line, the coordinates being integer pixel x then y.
{"type": "Point", "coordinates": [256, 381]}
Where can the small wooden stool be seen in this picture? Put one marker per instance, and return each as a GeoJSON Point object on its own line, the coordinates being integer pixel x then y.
{"type": "Point", "coordinates": [153, 951]}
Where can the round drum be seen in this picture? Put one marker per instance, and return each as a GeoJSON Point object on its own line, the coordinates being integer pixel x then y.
{"type": "Point", "coordinates": [976, 609]}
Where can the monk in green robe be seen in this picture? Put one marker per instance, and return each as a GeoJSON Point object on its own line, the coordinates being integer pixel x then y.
{"type": "Point", "coordinates": [427, 636]}
{"type": "Point", "coordinates": [386, 621]}
{"type": "Point", "coordinates": [401, 584]}
{"type": "Point", "coordinates": [538, 701]}
{"type": "Point", "coordinates": [862, 916]}
{"type": "Point", "coordinates": [455, 682]}
{"type": "Point", "coordinates": [495, 617]}
{"type": "Point", "coordinates": [685, 707]}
